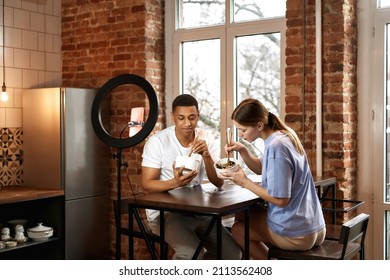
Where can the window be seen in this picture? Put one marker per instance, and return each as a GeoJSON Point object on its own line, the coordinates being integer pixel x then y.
{"type": "Point", "coordinates": [386, 130]}
{"type": "Point", "coordinates": [383, 3]}
{"type": "Point", "coordinates": [223, 51]}
{"type": "Point", "coordinates": [378, 155]}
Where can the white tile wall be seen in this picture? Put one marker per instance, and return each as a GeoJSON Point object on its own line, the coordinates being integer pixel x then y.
{"type": "Point", "coordinates": [13, 77]}
{"type": "Point", "coordinates": [57, 43]}
{"type": "Point", "coordinates": [22, 19]}
{"type": "Point", "coordinates": [13, 37]}
{"type": "Point", "coordinates": [13, 117]}
{"type": "Point", "coordinates": [32, 52]}
{"type": "Point", "coordinates": [53, 62]}
{"type": "Point", "coordinates": [37, 60]}
{"type": "Point", "coordinates": [53, 24]}
{"type": "Point", "coordinates": [37, 22]}
{"type": "Point", "coordinates": [13, 3]}
{"type": "Point", "coordinates": [29, 40]}
{"type": "Point", "coordinates": [17, 95]}
{"type": "Point", "coordinates": [2, 117]}
{"type": "Point", "coordinates": [30, 78]}
{"type": "Point", "coordinates": [41, 42]}
{"type": "Point", "coordinates": [22, 58]}
{"type": "Point", "coordinates": [9, 57]}
{"type": "Point", "coordinates": [30, 5]}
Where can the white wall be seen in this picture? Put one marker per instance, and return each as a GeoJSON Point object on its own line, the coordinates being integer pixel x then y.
{"type": "Point", "coordinates": [32, 52]}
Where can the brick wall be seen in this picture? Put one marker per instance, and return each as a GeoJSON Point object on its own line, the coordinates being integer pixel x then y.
{"type": "Point", "coordinates": [103, 39]}
{"type": "Point", "coordinates": [339, 88]}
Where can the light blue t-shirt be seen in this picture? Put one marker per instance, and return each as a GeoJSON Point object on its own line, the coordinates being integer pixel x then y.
{"type": "Point", "coordinates": [286, 174]}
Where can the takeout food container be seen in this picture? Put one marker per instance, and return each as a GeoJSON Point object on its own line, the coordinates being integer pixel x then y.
{"type": "Point", "coordinates": [221, 165]}
{"type": "Point", "coordinates": [189, 163]}
{"type": "Point", "coordinates": [40, 232]}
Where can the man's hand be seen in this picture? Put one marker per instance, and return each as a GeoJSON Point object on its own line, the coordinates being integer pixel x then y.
{"type": "Point", "coordinates": [183, 179]}
{"type": "Point", "coordinates": [200, 147]}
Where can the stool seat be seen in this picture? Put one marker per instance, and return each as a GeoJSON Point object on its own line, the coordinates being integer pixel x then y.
{"type": "Point", "coordinates": [349, 244]}
{"type": "Point", "coordinates": [328, 250]}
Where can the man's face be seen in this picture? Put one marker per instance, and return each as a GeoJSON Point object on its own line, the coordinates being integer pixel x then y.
{"type": "Point", "coordinates": [185, 119]}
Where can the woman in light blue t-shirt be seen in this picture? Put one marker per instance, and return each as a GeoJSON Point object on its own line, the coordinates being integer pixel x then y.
{"type": "Point", "coordinates": [293, 219]}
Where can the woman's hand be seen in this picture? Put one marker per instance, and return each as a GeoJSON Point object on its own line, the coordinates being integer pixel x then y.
{"type": "Point", "coordinates": [234, 146]}
{"type": "Point", "coordinates": [238, 177]}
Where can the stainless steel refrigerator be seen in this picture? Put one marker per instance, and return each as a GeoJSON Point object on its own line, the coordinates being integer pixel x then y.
{"type": "Point", "coordinates": [61, 151]}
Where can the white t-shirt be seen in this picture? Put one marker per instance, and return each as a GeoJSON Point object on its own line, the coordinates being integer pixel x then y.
{"type": "Point", "coordinates": [161, 150]}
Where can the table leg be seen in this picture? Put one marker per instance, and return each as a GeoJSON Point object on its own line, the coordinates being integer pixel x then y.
{"type": "Point", "coordinates": [145, 234]}
{"type": "Point", "coordinates": [219, 238]}
{"type": "Point", "coordinates": [163, 247]}
{"type": "Point", "coordinates": [203, 239]}
{"type": "Point", "coordinates": [246, 249]}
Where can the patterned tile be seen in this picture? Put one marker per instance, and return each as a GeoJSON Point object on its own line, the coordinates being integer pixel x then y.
{"type": "Point", "coordinates": [11, 156]}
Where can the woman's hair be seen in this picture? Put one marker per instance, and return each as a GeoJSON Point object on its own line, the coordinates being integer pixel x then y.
{"type": "Point", "coordinates": [185, 100]}
{"type": "Point", "coordinates": [251, 111]}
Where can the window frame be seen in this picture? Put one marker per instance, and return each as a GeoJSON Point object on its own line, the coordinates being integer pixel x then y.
{"type": "Point", "coordinates": [227, 34]}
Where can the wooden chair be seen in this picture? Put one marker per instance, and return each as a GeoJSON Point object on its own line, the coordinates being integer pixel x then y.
{"type": "Point", "coordinates": [333, 231]}
{"type": "Point", "coordinates": [138, 232]}
{"type": "Point", "coordinates": [349, 244]}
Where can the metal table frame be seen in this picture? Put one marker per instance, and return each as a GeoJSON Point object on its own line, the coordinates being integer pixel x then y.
{"type": "Point", "coordinates": [216, 215]}
{"type": "Point", "coordinates": [324, 185]}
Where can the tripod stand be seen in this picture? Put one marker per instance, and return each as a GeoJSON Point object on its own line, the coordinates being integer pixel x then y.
{"type": "Point", "coordinates": [120, 143]}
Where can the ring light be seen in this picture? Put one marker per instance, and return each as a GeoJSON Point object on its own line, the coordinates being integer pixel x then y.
{"type": "Point", "coordinates": [147, 127]}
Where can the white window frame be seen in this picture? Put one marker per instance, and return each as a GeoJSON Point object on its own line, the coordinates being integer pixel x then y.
{"type": "Point", "coordinates": [225, 33]}
{"type": "Point", "coordinates": [371, 123]}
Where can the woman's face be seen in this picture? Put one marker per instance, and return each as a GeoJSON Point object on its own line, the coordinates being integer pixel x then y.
{"type": "Point", "coordinates": [248, 133]}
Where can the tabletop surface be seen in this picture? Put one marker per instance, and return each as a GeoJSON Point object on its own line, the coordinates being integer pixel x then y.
{"type": "Point", "coordinates": [202, 199]}
{"type": "Point", "coordinates": [205, 198]}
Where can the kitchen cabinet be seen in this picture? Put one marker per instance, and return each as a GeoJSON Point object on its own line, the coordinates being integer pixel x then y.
{"type": "Point", "coordinates": [36, 205]}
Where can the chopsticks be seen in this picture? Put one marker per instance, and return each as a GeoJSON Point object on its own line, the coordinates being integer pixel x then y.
{"type": "Point", "coordinates": [229, 139]}
{"type": "Point", "coordinates": [196, 138]}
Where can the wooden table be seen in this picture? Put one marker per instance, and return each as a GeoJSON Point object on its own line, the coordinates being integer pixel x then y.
{"type": "Point", "coordinates": [208, 200]}
{"type": "Point", "coordinates": [204, 200]}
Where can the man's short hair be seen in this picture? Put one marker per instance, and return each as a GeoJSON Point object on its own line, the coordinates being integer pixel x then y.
{"type": "Point", "coordinates": [186, 100]}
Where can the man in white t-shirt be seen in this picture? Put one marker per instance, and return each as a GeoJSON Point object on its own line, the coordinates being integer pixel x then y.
{"type": "Point", "coordinates": [182, 231]}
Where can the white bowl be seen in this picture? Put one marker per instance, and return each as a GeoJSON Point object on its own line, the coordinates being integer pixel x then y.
{"type": "Point", "coordinates": [40, 232]}
{"type": "Point", "coordinates": [11, 244]}
{"type": "Point", "coordinates": [222, 162]}
{"type": "Point", "coordinates": [189, 163]}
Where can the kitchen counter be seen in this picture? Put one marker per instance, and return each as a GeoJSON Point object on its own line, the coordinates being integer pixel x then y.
{"type": "Point", "coordinates": [34, 205]}
{"type": "Point", "coordinates": [10, 194]}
